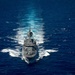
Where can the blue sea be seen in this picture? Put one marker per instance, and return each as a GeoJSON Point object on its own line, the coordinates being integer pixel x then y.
{"type": "Point", "coordinates": [53, 25]}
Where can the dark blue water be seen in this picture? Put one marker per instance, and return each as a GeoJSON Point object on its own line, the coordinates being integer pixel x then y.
{"type": "Point", "coordinates": [59, 27]}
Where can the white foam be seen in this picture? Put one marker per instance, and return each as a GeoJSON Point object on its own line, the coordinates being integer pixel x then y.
{"type": "Point", "coordinates": [17, 53]}
{"type": "Point", "coordinates": [13, 53]}
{"type": "Point", "coordinates": [45, 53]}
{"type": "Point", "coordinates": [38, 34]}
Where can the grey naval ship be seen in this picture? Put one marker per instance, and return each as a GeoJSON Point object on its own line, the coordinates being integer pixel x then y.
{"type": "Point", "coordinates": [30, 49]}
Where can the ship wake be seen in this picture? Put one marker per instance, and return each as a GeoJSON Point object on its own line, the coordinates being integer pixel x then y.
{"type": "Point", "coordinates": [37, 26]}
{"type": "Point", "coordinates": [18, 53]}
{"type": "Point", "coordinates": [20, 36]}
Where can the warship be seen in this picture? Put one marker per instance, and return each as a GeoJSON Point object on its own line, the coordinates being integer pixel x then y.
{"type": "Point", "coordinates": [30, 49]}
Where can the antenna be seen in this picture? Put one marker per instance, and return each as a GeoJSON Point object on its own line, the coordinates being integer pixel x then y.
{"type": "Point", "coordinates": [30, 34]}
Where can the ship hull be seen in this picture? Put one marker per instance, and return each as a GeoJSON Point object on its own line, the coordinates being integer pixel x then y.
{"type": "Point", "coordinates": [30, 49]}
{"type": "Point", "coordinates": [30, 60]}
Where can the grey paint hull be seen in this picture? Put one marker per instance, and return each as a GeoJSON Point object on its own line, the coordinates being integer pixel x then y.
{"type": "Point", "coordinates": [30, 49]}
{"type": "Point", "coordinates": [30, 60]}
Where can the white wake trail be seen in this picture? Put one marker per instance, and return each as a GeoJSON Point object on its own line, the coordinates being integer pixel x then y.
{"type": "Point", "coordinates": [13, 53]}
{"type": "Point", "coordinates": [20, 36]}
{"type": "Point", "coordinates": [38, 35]}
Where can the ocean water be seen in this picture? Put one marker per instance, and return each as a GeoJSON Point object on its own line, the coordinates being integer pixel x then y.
{"type": "Point", "coordinates": [53, 26]}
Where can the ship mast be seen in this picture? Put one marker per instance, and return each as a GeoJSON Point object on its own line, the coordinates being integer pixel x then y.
{"type": "Point", "coordinates": [30, 34]}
